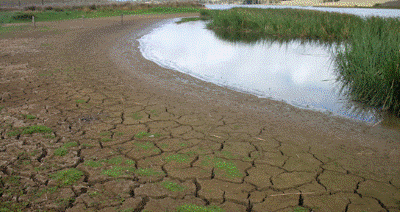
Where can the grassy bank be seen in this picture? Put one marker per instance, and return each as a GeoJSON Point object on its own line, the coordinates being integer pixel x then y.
{"type": "Point", "coordinates": [94, 11]}
{"type": "Point", "coordinates": [368, 65]}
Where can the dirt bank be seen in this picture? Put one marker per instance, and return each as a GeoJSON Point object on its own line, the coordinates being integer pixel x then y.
{"type": "Point", "coordinates": [129, 135]}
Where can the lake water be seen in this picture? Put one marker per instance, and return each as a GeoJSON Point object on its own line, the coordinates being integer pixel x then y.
{"type": "Point", "coordinates": [363, 12]}
{"type": "Point", "coordinates": [299, 74]}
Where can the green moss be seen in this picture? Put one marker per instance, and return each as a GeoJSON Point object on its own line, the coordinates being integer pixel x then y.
{"type": "Point", "coordinates": [93, 164]}
{"type": "Point", "coordinates": [36, 129]}
{"type": "Point", "coordinates": [70, 144]}
{"type": "Point", "coordinates": [105, 133]}
{"type": "Point", "coordinates": [196, 208]}
{"type": "Point", "coordinates": [29, 116]}
{"type": "Point", "coordinates": [141, 134]}
{"type": "Point", "coordinates": [147, 172]}
{"type": "Point", "coordinates": [130, 162]}
{"type": "Point", "coordinates": [49, 136]}
{"type": "Point", "coordinates": [147, 145]}
{"type": "Point", "coordinates": [62, 151]}
{"type": "Point", "coordinates": [146, 134]}
{"type": "Point", "coordinates": [137, 116]}
{"type": "Point", "coordinates": [178, 158]}
{"type": "Point", "coordinates": [13, 133]}
{"type": "Point", "coordinates": [106, 139]}
{"type": "Point", "coordinates": [67, 177]}
{"type": "Point", "coordinates": [118, 171]}
{"type": "Point", "coordinates": [115, 161]}
{"type": "Point", "coordinates": [172, 186]}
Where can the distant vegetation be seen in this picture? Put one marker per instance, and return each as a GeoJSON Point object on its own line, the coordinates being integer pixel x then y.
{"type": "Point", "coordinates": [367, 66]}
{"type": "Point", "coordinates": [49, 13]}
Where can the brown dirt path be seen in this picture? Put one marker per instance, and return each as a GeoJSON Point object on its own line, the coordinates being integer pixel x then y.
{"type": "Point", "coordinates": [128, 135]}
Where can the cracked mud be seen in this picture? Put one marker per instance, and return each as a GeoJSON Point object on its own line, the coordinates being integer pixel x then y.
{"type": "Point", "coordinates": [87, 124]}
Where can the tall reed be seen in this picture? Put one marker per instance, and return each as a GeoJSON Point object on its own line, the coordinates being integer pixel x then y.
{"type": "Point", "coordinates": [285, 23]}
{"type": "Point", "coordinates": [368, 66]}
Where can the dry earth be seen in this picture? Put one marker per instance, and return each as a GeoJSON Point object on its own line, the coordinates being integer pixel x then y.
{"type": "Point", "coordinates": [128, 135]}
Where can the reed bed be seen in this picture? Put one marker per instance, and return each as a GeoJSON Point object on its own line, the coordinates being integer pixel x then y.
{"type": "Point", "coordinates": [367, 65]}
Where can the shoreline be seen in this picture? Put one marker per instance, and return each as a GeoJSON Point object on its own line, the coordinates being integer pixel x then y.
{"type": "Point", "coordinates": [89, 82]}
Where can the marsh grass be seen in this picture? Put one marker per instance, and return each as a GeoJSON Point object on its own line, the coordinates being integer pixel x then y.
{"type": "Point", "coordinates": [367, 65]}
{"type": "Point", "coordinates": [283, 23]}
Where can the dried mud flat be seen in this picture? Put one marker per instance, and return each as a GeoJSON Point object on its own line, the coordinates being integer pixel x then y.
{"type": "Point", "coordinates": [87, 124]}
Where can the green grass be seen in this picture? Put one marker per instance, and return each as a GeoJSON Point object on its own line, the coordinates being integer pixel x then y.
{"type": "Point", "coordinates": [67, 177]}
{"type": "Point", "coordinates": [29, 117]}
{"type": "Point", "coordinates": [62, 151]}
{"type": "Point", "coordinates": [171, 186]}
{"type": "Point", "coordinates": [368, 66]}
{"type": "Point", "coordinates": [177, 157]}
{"type": "Point", "coordinates": [30, 130]}
{"type": "Point", "coordinates": [196, 208]}
{"type": "Point", "coordinates": [36, 129]}
{"type": "Point", "coordinates": [69, 14]}
{"type": "Point", "coordinates": [281, 24]}
{"type": "Point", "coordinates": [106, 139]}
{"type": "Point", "coordinates": [146, 134]}
{"type": "Point", "coordinates": [184, 20]}
{"type": "Point", "coordinates": [147, 145]}
{"type": "Point", "coordinates": [93, 164]}
{"type": "Point", "coordinates": [137, 116]}
{"type": "Point", "coordinates": [80, 101]}
{"type": "Point", "coordinates": [118, 171]}
{"type": "Point", "coordinates": [147, 172]}
{"type": "Point", "coordinates": [70, 144]}
{"type": "Point", "coordinates": [227, 167]}
{"type": "Point", "coordinates": [1, 108]}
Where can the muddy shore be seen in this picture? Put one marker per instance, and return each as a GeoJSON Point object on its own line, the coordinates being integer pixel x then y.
{"type": "Point", "coordinates": [141, 137]}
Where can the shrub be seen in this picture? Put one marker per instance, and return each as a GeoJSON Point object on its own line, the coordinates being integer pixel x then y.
{"type": "Point", "coordinates": [22, 16]}
{"type": "Point", "coordinates": [32, 8]}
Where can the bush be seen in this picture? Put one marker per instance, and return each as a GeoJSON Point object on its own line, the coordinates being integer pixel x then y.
{"type": "Point", "coordinates": [92, 7]}
{"type": "Point", "coordinates": [22, 16]}
{"type": "Point", "coordinates": [32, 8]}
{"type": "Point", "coordinates": [58, 9]}
{"type": "Point", "coordinates": [48, 8]}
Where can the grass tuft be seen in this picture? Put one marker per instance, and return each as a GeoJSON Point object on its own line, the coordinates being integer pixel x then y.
{"type": "Point", "coordinates": [196, 208]}
{"type": "Point", "coordinates": [67, 177]}
{"type": "Point", "coordinates": [36, 129]}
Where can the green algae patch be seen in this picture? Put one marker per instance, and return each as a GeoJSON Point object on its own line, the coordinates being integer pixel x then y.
{"type": "Point", "coordinates": [67, 177]}
{"type": "Point", "coordinates": [197, 208]}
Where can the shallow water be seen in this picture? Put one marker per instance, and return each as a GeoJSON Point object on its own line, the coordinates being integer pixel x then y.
{"type": "Point", "coordinates": [299, 74]}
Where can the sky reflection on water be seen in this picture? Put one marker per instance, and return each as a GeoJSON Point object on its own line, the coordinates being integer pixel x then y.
{"type": "Point", "coordinates": [362, 12]}
{"type": "Point", "coordinates": [299, 74]}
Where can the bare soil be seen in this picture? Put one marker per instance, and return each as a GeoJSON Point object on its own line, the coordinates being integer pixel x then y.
{"type": "Point", "coordinates": [128, 135]}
